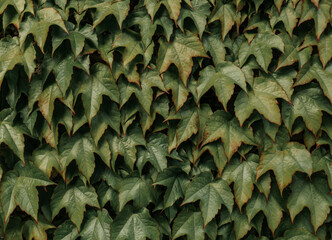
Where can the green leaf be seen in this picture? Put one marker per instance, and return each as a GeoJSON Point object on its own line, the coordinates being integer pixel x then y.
{"type": "Point", "coordinates": [147, 28]}
{"type": "Point", "coordinates": [97, 226]}
{"type": "Point", "coordinates": [119, 9]}
{"type": "Point", "coordinates": [320, 15]}
{"type": "Point", "coordinates": [243, 174]}
{"type": "Point", "coordinates": [284, 160]}
{"type": "Point", "coordinates": [197, 12]}
{"type": "Point", "coordinates": [321, 161]}
{"type": "Point", "coordinates": [130, 40]}
{"type": "Point", "coordinates": [34, 230]}
{"type": "Point", "coordinates": [100, 82]}
{"type": "Point", "coordinates": [74, 197]}
{"type": "Point", "coordinates": [180, 51]}
{"type": "Point", "coordinates": [298, 234]}
{"type": "Point", "coordinates": [314, 195]}
{"type": "Point", "coordinates": [189, 122]}
{"type": "Point", "coordinates": [176, 182]}
{"type": "Point", "coordinates": [272, 208]}
{"type": "Point", "coordinates": [293, 53]}
{"type": "Point", "coordinates": [137, 225]}
{"type": "Point", "coordinates": [143, 92]}
{"type": "Point", "coordinates": [66, 231]}
{"type": "Point", "coordinates": [222, 125]}
{"type": "Point", "coordinates": [214, 44]}
{"type": "Point", "coordinates": [226, 14]}
{"type": "Point", "coordinates": [46, 158]}
{"type": "Point", "coordinates": [211, 193]}
{"type": "Point", "coordinates": [261, 48]}
{"type": "Point", "coordinates": [188, 223]}
{"type": "Point", "coordinates": [81, 148]}
{"type": "Point", "coordinates": [313, 70]}
{"type": "Point", "coordinates": [155, 153]}
{"type": "Point", "coordinates": [11, 53]}
{"type": "Point", "coordinates": [136, 188]}
{"type": "Point", "coordinates": [18, 5]}
{"type": "Point", "coordinates": [308, 103]}
{"type": "Point", "coordinates": [125, 145]}
{"type": "Point", "coordinates": [77, 38]}
{"type": "Point", "coordinates": [287, 16]}
{"type": "Point", "coordinates": [179, 91]}
{"type": "Point", "coordinates": [39, 26]}
{"type": "Point", "coordinates": [18, 188]}
{"type": "Point", "coordinates": [46, 101]}
{"type": "Point", "coordinates": [11, 135]}
{"type": "Point", "coordinates": [262, 98]}
{"type": "Point", "coordinates": [324, 48]}
{"type": "Point", "coordinates": [223, 78]}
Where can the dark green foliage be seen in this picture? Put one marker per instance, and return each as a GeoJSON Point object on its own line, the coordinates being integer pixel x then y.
{"type": "Point", "coordinates": [165, 119]}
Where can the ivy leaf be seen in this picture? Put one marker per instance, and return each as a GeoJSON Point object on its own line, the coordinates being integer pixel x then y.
{"type": "Point", "coordinates": [214, 44]}
{"type": "Point", "coordinates": [293, 53]}
{"type": "Point", "coordinates": [284, 160]}
{"type": "Point", "coordinates": [211, 193]}
{"type": "Point", "coordinates": [46, 158]}
{"type": "Point", "coordinates": [322, 162]}
{"type": "Point", "coordinates": [179, 91]}
{"type": "Point", "coordinates": [74, 197]}
{"type": "Point", "coordinates": [136, 188]}
{"type": "Point", "coordinates": [11, 135]}
{"type": "Point", "coordinates": [272, 208]}
{"type": "Point", "coordinates": [38, 26]}
{"type": "Point", "coordinates": [298, 234]}
{"type": "Point", "coordinates": [222, 78]}
{"type": "Point", "coordinates": [136, 225]}
{"type": "Point", "coordinates": [176, 182]}
{"type": "Point", "coordinates": [180, 51]}
{"type": "Point", "coordinates": [263, 99]}
{"type": "Point", "coordinates": [308, 103]}
{"type": "Point", "coordinates": [34, 230]}
{"type": "Point", "coordinates": [226, 14]}
{"type": "Point", "coordinates": [188, 223]}
{"type": "Point", "coordinates": [101, 82]}
{"type": "Point", "coordinates": [243, 174]}
{"type": "Point", "coordinates": [119, 9]}
{"type": "Point", "coordinates": [147, 28]}
{"type": "Point", "coordinates": [46, 101]}
{"type": "Point", "coordinates": [125, 145]}
{"type": "Point", "coordinates": [77, 38]}
{"type": "Point", "coordinates": [287, 16]}
{"type": "Point", "coordinates": [197, 12]}
{"type": "Point", "coordinates": [155, 153]}
{"type": "Point", "coordinates": [81, 148]}
{"type": "Point", "coordinates": [313, 70]}
{"type": "Point", "coordinates": [320, 15]}
{"type": "Point", "coordinates": [18, 5]}
{"type": "Point", "coordinates": [11, 54]}
{"type": "Point", "coordinates": [314, 195]}
{"type": "Point", "coordinates": [18, 188]}
{"type": "Point", "coordinates": [130, 40]}
{"type": "Point", "coordinates": [97, 225]}
{"type": "Point", "coordinates": [66, 231]}
{"type": "Point", "coordinates": [222, 125]}
{"type": "Point", "coordinates": [189, 122]}
{"type": "Point", "coordinates": [324, 49]}
{"type": "Point", "coordinates": [261, 47]}
{"type": "Point", "coordinates": [216, 149]}
{"type": "Point", "coordinates": [144, 92]}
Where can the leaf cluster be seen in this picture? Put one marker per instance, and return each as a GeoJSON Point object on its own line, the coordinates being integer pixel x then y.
{"type": "Point", "coordinates": [168, 119]}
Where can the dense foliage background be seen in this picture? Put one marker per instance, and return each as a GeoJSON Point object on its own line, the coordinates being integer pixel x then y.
{"type": "Point", "coordinates": [165, 119]}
